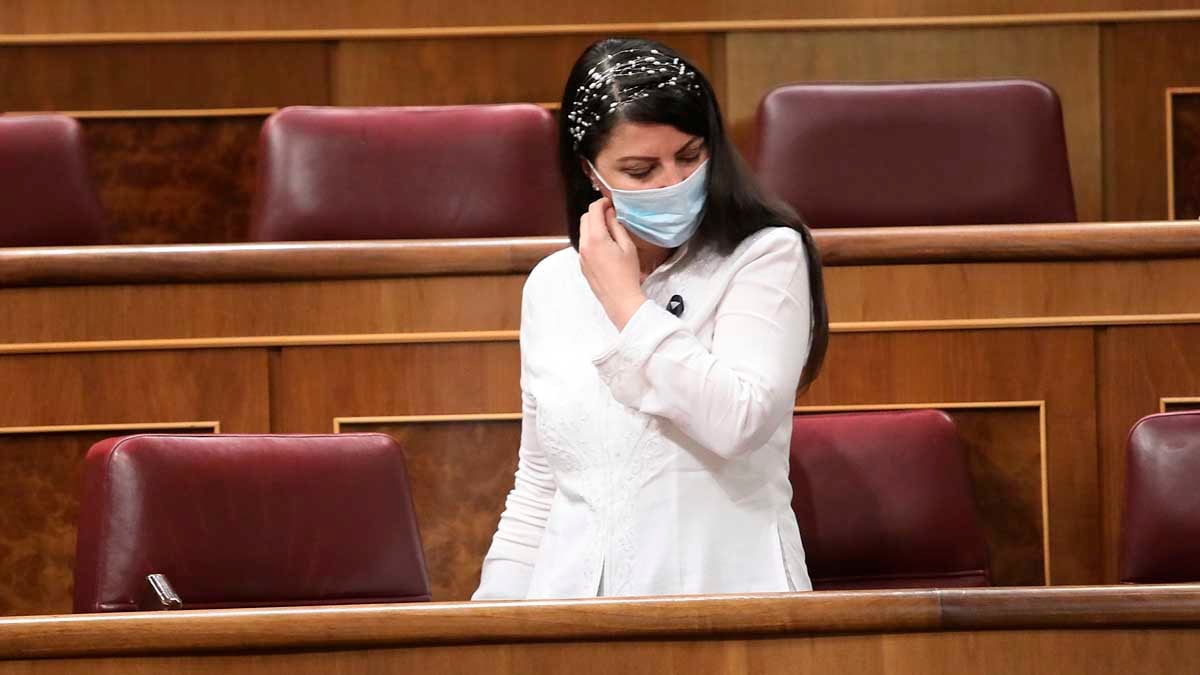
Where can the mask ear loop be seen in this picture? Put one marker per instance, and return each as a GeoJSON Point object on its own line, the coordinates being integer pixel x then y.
{"type": "Point", "coordinates": [596, 179]}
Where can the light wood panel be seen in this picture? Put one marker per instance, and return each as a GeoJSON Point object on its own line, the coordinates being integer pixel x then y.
{"type": "Point", "coordinates": [39, 510]}
{"type": "Point", "coordinates": [863, 297]}
{"type": "Point", "coordinates": [460, 473]}
{"type": "Point", "coordinates": [1064, 57]}
{"type": "Point", "coordinates": [906, 292]}
{"type": "Point", "coordinates": [1140, 63]}
{"type": "Point", "coordinates": [79, 16]}
{"type": "Point", "coordinates": [113, 77]}
{"type": "Point", "coordinates": [324, 383]}
{"type": "Point", "coordinates": [1137, 367]}
{"type": "Point", "coordinates": [119, 388]}
{"type": "Point", "coordinates": [480, 70]}
{"type": "Point", "coordinates": [281, 308]}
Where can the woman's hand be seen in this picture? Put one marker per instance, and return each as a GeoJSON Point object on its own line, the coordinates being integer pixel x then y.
{"type": "Point", "coordinates": [610, 262]}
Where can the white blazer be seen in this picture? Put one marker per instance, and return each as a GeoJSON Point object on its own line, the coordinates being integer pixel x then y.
{"type": "Point", "coordinates": [655, 461]}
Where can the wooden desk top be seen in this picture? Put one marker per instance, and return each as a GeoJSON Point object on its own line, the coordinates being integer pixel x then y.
{"type": "Point", "coordinates": [96, 265]}
{"type": "Point", "coordinates": [618, 619]}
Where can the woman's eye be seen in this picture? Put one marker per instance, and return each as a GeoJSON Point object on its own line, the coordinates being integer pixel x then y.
{"type": "Point", "coordinates": [690, 158]}
{"type": "Point", "coordinates": [638, 174]}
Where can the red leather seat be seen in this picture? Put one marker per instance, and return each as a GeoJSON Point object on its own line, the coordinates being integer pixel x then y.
{"type": "Point", "coordinates": [46, 192]}
{"type": "Point", "coordinates": [1160, 531]}
{"type": "Point", "coordinates": [942, 153]}
{"type": "Point", "coordinates": [884, 500]}
{"type": "Point", "coordinates": [248, 520]}
{"type": "Point", "coordinates": [408, 173]}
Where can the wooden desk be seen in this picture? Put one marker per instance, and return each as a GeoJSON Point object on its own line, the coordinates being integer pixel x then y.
{"type": "Point", "coordinates": [1058, 631]}
{"type": "Point", "coordinates": [1045, 343]}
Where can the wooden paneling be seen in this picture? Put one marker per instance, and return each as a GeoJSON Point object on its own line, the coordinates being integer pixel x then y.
{"type": "Point", "coordinates": [911, 292]}
{"type": "Point", "coordinates": [174, 180]}
{"type": "Point", "coordinates": [39, 509]}
{"type": "Point", "coordinates": [278, 308]}
{"type": "Point", "coordinates": [860, 297]}
{"type": "Point", "coordinates": [1140, 63]}
{"type": "Point", "coordinates": [1181, 404]}
{"type": "Point", "coordinates": [131, 388]}
{"type": "Point", "coordinates": [1183, 153]}
{"type": "Point", "coordinates": [1064, 57]}
{"type": "Point", "coordinates": [1004, 453]}
{"type": "Point", "coordinates": [77, 16]}
{"type": "Point", "coordinates": [324, 383]}
{"type": "Point", "coordinates": [181, 75]}
{"type": "Point", "coordinates": [1054, 365]}
{"type": "Point", "coordinates": [460, 473]}
{"type": "Point", "coordinates": [479, 70]}
{"type": "Point", "coordinates": [1137, 366]}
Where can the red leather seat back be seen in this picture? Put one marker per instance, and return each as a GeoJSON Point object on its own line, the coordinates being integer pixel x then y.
{"type": "Point", "coordinates": [884, 500]}
{"type": "Point", "coordinates": [248, 520]}
{"type": "Point", "coordinates": [408, 173]}
{"type": "Point", "coordinates": [1160, 531]}
{"type": "Point", "coordinates": [944, 153]}
{"type": "Point", "coordinates": [46, 192]}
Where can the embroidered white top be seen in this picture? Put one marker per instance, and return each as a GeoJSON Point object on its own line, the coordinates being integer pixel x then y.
{"type": "Point", "coordinates": [655, 460]}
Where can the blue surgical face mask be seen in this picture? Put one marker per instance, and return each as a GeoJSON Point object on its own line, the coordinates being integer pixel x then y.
{"type": "Point", "coordinates": [665, 217]}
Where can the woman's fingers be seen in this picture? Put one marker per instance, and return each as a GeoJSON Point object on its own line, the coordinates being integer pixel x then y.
{"type": "Point", "coordinates": [616, 230]}
{"type": "Point", "coordinates": [595, 215]}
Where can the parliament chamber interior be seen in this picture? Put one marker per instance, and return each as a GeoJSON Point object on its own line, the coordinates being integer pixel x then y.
{"type": "Point", "coordinates": [261, 276]}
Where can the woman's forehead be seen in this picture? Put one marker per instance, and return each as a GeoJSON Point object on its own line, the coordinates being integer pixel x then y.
{"type": "Point", "coordinates": [642, 139]}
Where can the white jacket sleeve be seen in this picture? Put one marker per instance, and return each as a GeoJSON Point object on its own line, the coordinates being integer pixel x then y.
{"type": "Point", "coordinates": [508, 566]}
{"type": "Point", "coordinates": [732, 399]}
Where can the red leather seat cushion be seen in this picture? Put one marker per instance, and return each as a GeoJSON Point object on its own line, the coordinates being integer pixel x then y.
{"type": "Point", "coordinates": [408, 173]}
{"type": "Point", "coordinates": [945, 153]}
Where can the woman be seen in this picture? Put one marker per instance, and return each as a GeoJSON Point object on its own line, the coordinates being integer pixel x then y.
{"type": "Point", "coordinates": [660, 354]}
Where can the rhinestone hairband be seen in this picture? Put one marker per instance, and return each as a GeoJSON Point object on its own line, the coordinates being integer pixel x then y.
{"type": "Point", "coordinates": [600, 80]}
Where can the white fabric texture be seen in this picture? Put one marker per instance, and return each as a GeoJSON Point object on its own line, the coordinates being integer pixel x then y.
{"type": "Point", "coordinates": [656, 459]}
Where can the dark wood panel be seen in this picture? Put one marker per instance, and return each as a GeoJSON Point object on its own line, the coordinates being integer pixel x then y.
{"type": "Point", "coordinates": [75, 16]}
{"type": "Point", "coordinates": [1140, 62]}
{"type": "Point", "coordinates": [476, 70]}
{"type": "Point", "coordinates": [121, 77]}
{"type": "Point", "coordinates": [1182, 406]}
{"type": "Point", "coordinates": [460, 473]}
{"type": "Point", "coordinates": [1137, 367]}
{"type": "Point", "coordinates": [171, 180]}
{"type": "Point", "coordinates": [1184, 132]}
{"type": "Point", "coordinates": [39, 510]}
{"type": "Point", "coordinates": [1004, 456]}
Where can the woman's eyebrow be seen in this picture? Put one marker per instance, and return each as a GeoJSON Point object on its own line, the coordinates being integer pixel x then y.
{"type": "Point", "coordinates": [682, 148]}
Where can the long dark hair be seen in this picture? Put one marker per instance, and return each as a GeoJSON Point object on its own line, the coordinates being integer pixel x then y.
{"type": "Point", "coordinates": [736, 206]}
